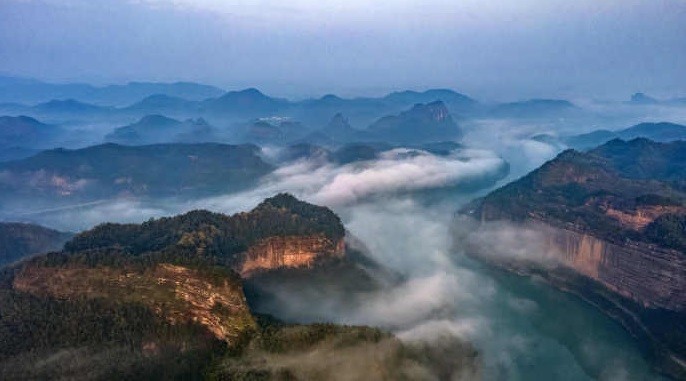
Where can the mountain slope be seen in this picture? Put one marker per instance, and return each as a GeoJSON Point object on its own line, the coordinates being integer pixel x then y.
{"type": "Point", "coordinates": [68, 106]}
{"type": "Point", "coordinates": [535, 108]}
{"type": "Point", "coordinates": [660, 132]}
{"type": "Point", "coordinates": [611, 226]}
{"type": "Point", "coordinates": [163, 289]}
{"type": "Point", "coordinates": [162, 104]}
{"type": "Point", "coordinates": [155, 129]}
{"type": "Point", "coordinates": [245, 104]}
{"type": "Point", "coordinates": [111, 170]}
{"type": "Point", "coordinates": [23, 90]}
{"type": "Point", "coordinates": [20, 240]}
{"type": "Point", "coordinates": [336, 132]}
{"type": "Point", "coordinates": [422, 123]}
{"type": "Point", "coordinates": [25, 132]}
{"type": "Point", "coordinates": [161, 300]}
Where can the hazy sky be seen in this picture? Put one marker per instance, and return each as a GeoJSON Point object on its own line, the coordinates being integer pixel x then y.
{"type": "Point", "coordinates": [497, 49]}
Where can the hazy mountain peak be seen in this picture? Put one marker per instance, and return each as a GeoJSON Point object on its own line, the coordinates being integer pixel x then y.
{"type": "Point", "coordinates": [21, 119]}
{"type": "Point", "coordinates": [156, 119]}
{"type": "Point", "coordinates": [338, 122]}
{"type": "Point", "coordinates": [436, 110]}
{"type": "Point", "coordinates": [446, 95]}
{"type": "Point", "coordinates": [428, 122]}
{"type": "Point", "coordinates": [17, 131]}
{"type": "Point", "coordinates": [642, 98]}
{"type": "Point", "coordinates": [331, 98]}
{"type": "Point", "coordinates": [160, 99]}
{"type": "Point", "coordinates": [246, 93]}
{"type": "Point", "coordinates": [198, 121]}
{"type": "Point", "coordinates": [66, 105]}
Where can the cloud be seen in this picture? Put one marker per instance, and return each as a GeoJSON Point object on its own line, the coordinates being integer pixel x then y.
{"type": "Point", "coordinates": [506, 242]}
{"type": "Point", "coordinates": [399, 171]}
{"type": "Point", "coordinates": [402, 170]}
{"type": "Point", "coordinates": [514, 322]}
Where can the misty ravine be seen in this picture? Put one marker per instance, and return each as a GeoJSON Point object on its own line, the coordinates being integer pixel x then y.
{"type": "Point", "coordinates": [523, 328]}
{"type": "Point", "coordinates": [401, 208]}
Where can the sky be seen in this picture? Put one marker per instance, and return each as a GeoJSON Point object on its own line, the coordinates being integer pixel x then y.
{"type": "Point", "coordinates": [498, 50]}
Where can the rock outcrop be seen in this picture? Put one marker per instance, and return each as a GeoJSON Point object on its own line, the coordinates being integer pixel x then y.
{"type": "Point", "coordinates": [422, 123]}
{"type": "Point", "coordinates": [615, 216]}
{"type": "Point", "coordinates": [162, 300]}
{"type": "Point", "coordinates": [178, 294]}
{"type": "Point", "coordinates": [650, 275]}
{"type": "Point", "coordinates": [289, 252]}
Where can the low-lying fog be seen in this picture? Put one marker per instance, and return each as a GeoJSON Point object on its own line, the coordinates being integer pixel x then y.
{"type": "Point", "coordinates": [524, 329]}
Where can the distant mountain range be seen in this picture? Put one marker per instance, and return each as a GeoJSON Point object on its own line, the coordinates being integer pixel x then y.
{"type": "Point", "coordinates": [162, 104]}
{"type": "Point", "coordinates": [186, 100]}
{"type": "Point", "coordinates": [338, 131]}
{"type": "Point", "coordinates": [18, 241]}
{"type": "Point", "coordinates": [251, 116]}
{"type": "Point", "coordinates": [153, 129]}
{"type": "Point", "coordinates": [535, 108]}
{"type": "Point", "coordinates": [21, 90]}
{"type": "Point", "coordinates": [422, 123]}
{"type": "Point", "coordinates": [111, 170]}
{"type": "Point", "coordinates": [660, 132]}
{"type": "Point", "coordinates": [245, 104]}
{"type": "Point", "coordinates": [431, 122]}
{"type": "Point", "coordinates": [642, 99]}
{"type": "Point", "coordinates": [25, 132]}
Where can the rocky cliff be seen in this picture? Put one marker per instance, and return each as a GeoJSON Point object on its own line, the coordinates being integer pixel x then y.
{"type": "Point", "coordinates": [289, 252]}
{"type": "Point", "coordinates": [648, 274]}
{"type": "Point", "coordinates": [177, 294]}
{"type": "Point", "coordinates": [614, 216]}
{"type": "Point", "coordinates": [162, 300]}
{"type": "Point", "coordinates": [422, 123]}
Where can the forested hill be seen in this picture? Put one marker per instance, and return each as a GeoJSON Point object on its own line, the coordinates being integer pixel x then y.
{"type": "Point", "coordinates": [111, 170]}
{"type": "Point", "coordinates": [219, 236]}
{"type": "Point", "coordinates": [622, 189]}
{"type": "Point", "coordinates": [161, 301]}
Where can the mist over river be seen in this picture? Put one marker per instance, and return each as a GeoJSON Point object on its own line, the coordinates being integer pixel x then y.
{"type": "Point", "coordinates": [523, 328]}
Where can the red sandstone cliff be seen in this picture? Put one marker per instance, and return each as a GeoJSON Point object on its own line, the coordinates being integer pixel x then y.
{"type": "Point", "coordinates": [288, 251]}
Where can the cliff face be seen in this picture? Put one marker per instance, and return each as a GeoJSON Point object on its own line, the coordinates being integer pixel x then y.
{"type": "Point", "coordinates": [164, 301]}
{"type": "Point", "coordinates": [289, 252]}
{"type": "Point", "coordinates": [616, 217]}
{"type": "Point", "coordinates": [647, 274]}
{"type": "Point", "coordinates": [614, 214]}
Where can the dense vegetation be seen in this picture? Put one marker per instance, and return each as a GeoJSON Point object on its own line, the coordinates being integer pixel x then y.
{"type": "Point", "coordinates": [214, 237]}
{"type": "Point", "coordinates": [601, 190]}
{"type": "Point", "coordinates": [668, 230]}
{"type": "Point", "coordinates": [108, 311]}
{"type": "Point", "coordinates": [111, 306]}
{"type": "Point", "coordinates": [38, 328]}
{"type": "Point", "coordinates": [110, 170]}
{"type": "Point", "coordinates": [333, 352]}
